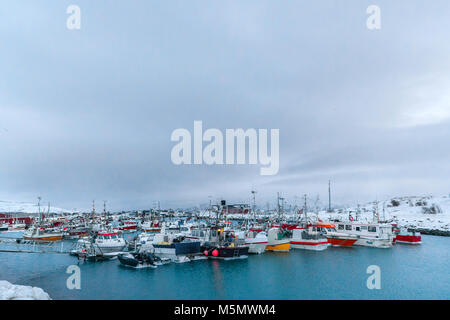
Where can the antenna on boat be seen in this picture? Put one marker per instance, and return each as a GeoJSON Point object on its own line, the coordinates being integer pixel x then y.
{"type": "Point", "coordinates": [305, 208]}
{"type": "Point", "coordinates": [375, 212]}
{"type": "Point", "coordinates": [104, 207]}
{"type": "Point", "coordinates": [279, 206]}
{"type": "Point", "coordinates": [316, 207]}
{"type": "Point", "coordinates": [329, 195]}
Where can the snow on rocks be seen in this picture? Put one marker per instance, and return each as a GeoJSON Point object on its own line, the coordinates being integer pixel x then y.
{"type": "Point", "coordinates": [10, 291]}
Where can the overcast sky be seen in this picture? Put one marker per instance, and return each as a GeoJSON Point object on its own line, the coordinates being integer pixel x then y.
{"type": "Point", "coordinates": [88, 114]}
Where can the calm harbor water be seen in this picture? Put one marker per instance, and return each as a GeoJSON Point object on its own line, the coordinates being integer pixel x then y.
{"type": "Point", "coordinates": [407, 272]}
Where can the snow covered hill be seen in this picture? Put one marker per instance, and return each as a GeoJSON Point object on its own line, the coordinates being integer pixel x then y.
{"type": "Point", "coordinates": [26, 207]}
{"type": "Point", "coordinates": [425, 212]}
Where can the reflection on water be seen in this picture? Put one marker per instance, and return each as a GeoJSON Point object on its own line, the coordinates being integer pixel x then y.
{"type": "Point", "coordinates": [218, 278]}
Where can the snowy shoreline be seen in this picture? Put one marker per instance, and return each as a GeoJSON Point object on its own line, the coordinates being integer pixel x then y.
{"type": "Point", "coordinates": [427, 214]}
{"type": "Point", "coordinates": [9, 291]}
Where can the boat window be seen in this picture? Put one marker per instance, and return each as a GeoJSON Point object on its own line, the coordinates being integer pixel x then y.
{"type": "Point", "coordinates": [363, 227]}
{"type": "Point", "coordinates": [358, 229]}
{"type": "Point", "coordinates": [348, 227]}
{"type": "Point", "coordinates": [341, 227]}
{"type": "Point", "coordinates": [372, 229]}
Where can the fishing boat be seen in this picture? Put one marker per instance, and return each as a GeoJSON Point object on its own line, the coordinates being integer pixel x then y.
{"type": "Point", "coordinates": [109, 242]}
{"type": "Point", "coordinates": [278, 240]}
{"type": "Point", "coordinates": [308, 237]}
{"type": "Point", "coordinates": [150, 226]}
{"type": "Point", "coordinates": [128, 226]}
{"type": "Point", "coordinates": [4, 227]}
{"type": "Point", "coordinates": [173, 246]}
{"type": "Point", "coordinates": [377, 235]}
{"type": "Point", "coordinates": [408, 236]}
{"type": "Point", "coordinates": [223, 244]}
{"type": "Point", "coordinates": [17, 227]}
{"type": "Point", "coordinates": [41, 232]}
{"type": "Point", "coordinates": [335, 238]}
{"type": "Point", "coordinates": [255, 239]}
{"type": "Point", "coordinates": [37, 233]}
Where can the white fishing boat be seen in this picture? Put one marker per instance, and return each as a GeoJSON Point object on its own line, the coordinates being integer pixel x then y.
{"type": "Point", "coordinates": [109, 242]}
{"type": "Point", "coordinates": [309, 238]}
{"type": "Point", "coordinates": [376, 235]}
{"type": "Point", "coordinates": [255, 239]}
{"type": "Point", "coordinates": [37, 233]}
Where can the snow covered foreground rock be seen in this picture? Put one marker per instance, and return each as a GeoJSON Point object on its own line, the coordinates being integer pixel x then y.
{"type": "Point", "coordinates": [10, 291]}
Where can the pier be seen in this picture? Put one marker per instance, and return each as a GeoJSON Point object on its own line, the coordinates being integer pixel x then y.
{"type": "Point", "coordinates": [15, 245]}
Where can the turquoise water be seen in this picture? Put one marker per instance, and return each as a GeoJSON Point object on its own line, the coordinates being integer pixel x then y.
{"type": "Point", "coordinates": [407, 272]}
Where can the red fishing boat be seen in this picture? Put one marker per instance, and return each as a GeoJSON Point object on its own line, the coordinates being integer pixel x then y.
{"type": "Point", "coordinates": [128, 226]}
{"type": "Point", "coordinates": [335, 238]}
{"type": "Point", "coordinates": [408, 237]}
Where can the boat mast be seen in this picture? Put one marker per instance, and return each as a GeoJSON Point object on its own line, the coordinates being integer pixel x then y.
{"type": "Point", "coordinates": [279, 207]}
{"type": "Point", "coordinates": [254, 206]}
{"type": "Point", "coordinates": [39, 208]}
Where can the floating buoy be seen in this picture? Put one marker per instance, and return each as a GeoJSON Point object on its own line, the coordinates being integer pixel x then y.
{"type": "Point", "coordinates": [206, 252]}
{"type": "Point", "coordinates": [215, 252]}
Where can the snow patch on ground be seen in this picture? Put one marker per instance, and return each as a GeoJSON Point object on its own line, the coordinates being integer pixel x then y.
{"type": "Point", "coordinates": [10, 291]}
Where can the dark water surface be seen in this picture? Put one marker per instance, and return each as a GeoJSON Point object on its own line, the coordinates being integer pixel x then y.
{"type": "Point", "coordinates": [407, 272]}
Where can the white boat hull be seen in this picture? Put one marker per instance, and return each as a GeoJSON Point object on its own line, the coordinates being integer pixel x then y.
{"type": "Point", "coordinates": [111, 249]}
{"type": "Point", "coordinates": [256, 247]}
{"type": "Point", "coordinates": [375, 243]}
{"type": "Point", "coordinates": [309, 245]}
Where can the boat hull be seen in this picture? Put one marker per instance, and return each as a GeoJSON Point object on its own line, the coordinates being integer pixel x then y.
{"type": "Point", "coordinates": [341, 242]}
{"type": "Point", "coordinates": [111, 249]}
{"type": "Point", "coordinates": [229, 252]}
{"type": "Point", "coordinates": [151, 229]}
{"type": "Point", "coordinates": [256, 247]}
{"type": "Point", "coordinates": [44, 238]}
{"type": "Point", "coordinates": [177, 248]}
{"type": "Point", "coordinates": [284, 246]}
{"type": "Point", "coordinates": [406, 239]}
{"type": "Point", "coordinates": [375, 243]}
{"type": "Point", "coordinates": [316, 245]}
